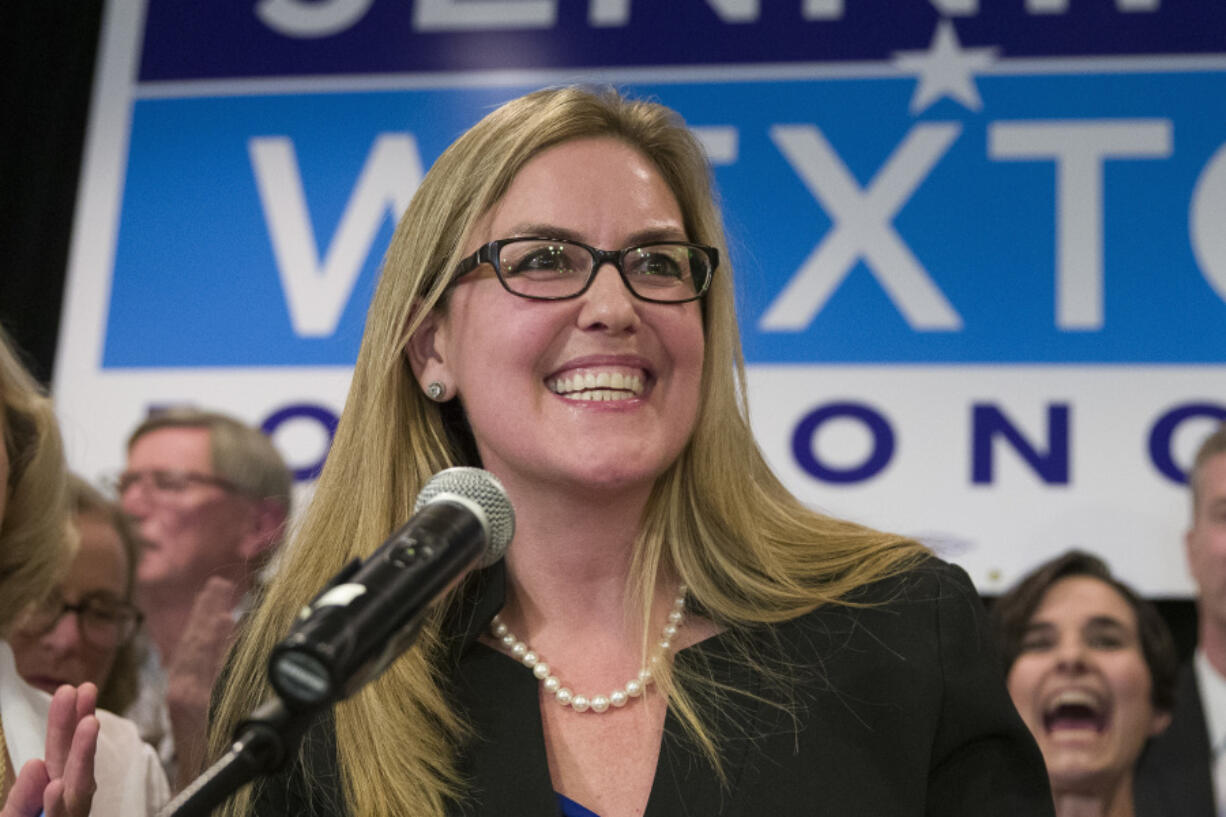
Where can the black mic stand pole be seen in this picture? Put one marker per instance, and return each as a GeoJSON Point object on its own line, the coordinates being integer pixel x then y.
{"type": "Point", "coordinates": [269, 736]}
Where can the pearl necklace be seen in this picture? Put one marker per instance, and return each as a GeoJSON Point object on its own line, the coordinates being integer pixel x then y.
{"type": "Point", "coordinates": [597, 703]}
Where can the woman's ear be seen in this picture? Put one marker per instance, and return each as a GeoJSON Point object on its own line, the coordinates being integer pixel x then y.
{"type": "Point", "coordinates": [425, 349]}
{"type": "Point", "coordinates": [1159, 723]}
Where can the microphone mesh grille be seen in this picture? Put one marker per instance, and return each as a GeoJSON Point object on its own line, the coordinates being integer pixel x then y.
{"type": "Point", "coordinates": [482, 488]}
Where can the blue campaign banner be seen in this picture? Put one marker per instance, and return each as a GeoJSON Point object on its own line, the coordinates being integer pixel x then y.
{"type": "Point", "coordinates": [862, 228]}
{"type": "Point", "coordinates": [194, 233]}
{"type": "Point", "coordinates": [318, 37]}
{"type": "Point", "coordinates": [977, 245]}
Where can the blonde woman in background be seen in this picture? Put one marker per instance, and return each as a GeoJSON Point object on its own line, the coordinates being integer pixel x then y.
{"type": "Point", "coordinates": [56, 776]}
{"type": "Point", "coordinates": [34, 545]}
{"type": "Point", "coordinates": [84, 630]}
{"type": "Point", "coordinates": [675, 632]}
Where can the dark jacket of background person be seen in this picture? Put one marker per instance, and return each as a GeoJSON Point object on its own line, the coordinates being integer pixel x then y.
{"type": "Point", "coordinates": [897, 704]}
{"type": "Point", "coordinates": [1173, 776]}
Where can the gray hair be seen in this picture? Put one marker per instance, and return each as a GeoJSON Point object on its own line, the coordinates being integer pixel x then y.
{"type": "Point", "coordinates": [240, 454]}
{"type": "Point", "coordinates": [1213, 445]}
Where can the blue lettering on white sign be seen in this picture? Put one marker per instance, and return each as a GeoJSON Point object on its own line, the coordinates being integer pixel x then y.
{"type": "Point", "coordinates": [1163, 431]}
{"type": "Point", "coordinates": [877, 425]}
{"type": "Point", "coordinates": [989, 423]}
{"type": "Point", "coordinates": [991, 428]}
{"type": "Point", "coordinates": [325, 417]}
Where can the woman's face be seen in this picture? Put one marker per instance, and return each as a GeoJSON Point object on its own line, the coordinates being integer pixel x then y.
{"type": "Point", "coordinates": [508, 357]}
{"type": "Point", "coordinates": [1082, 685]}
{"type": "Point", "coordinates": [60, 655]}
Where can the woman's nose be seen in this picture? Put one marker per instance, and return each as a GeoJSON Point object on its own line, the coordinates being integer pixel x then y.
{"type": "Point", "coordinates": [65, 635]}
{"type": "Point", "coordinates": [1071, 655]}
{"type": "Point", "coordinates": [608, 303]}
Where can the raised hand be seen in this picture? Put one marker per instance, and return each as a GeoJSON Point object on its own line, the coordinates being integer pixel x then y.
{"type": "Point", "coordinates": [62, 783]}
{"type": "Point", "coordinates": [194, 667]}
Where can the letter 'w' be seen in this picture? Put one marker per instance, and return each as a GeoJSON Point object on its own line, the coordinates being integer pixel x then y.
{"type": "Point", "coordinates": [316, 292]}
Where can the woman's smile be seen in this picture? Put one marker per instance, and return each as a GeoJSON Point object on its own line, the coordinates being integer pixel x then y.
{"type": "Point", "coordinates": [595, 382]}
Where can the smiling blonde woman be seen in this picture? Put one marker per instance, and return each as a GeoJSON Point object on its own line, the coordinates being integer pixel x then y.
{"type": "Point", "coordinates": [671, 631]}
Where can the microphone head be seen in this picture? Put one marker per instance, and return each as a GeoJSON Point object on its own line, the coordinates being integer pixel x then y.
{"type": "Point", "coordinates": [478, 487]}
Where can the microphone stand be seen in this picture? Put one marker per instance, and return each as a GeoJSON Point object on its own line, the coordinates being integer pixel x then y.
{"type": "Point", "coordinates": [328, 656]}
{"type": "Point", "coordinates": [271, 734]}
{"type": "Point", "coordinates": [265, 739]}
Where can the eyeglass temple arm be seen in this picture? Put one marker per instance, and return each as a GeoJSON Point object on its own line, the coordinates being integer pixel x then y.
{"type": "Point", "coordinates": [483, 255]}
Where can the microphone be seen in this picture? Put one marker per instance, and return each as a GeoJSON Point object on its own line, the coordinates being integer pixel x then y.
{"type": "Point", "coordinates": [370, 612]}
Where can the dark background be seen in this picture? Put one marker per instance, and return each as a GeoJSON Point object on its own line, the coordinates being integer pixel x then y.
{"type": "Point", "coordinates": [49, 49]}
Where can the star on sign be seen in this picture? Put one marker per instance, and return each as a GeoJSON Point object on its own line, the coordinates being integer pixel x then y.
{"type": "Point", "coordinates": [946, 69]}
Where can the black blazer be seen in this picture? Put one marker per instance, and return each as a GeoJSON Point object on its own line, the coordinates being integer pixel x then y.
{"type": "Point", "coordinates": [1174, 776]}
{"type": "Point", "coordinates": [897, 709]}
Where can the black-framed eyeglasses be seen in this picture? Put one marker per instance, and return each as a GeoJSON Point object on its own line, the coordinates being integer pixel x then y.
{"type": "Point", "coordinates": [167, 482]}
{"type": "Point", "coordinates": [103, 621]}
{"type": "Point", "coordinates": [553, 269]}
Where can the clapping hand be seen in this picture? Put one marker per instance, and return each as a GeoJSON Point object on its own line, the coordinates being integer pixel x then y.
{"type": "Point", "coordinates": [194, 667]}
{"type": "Point", "coordinates": [61, 784]}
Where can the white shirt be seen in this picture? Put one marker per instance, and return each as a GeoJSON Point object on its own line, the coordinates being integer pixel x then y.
{"type": "Point", "coordinates": [149, 711]}
{"type": "Point", "coordinates": [1212, 688]}
{"type": "Point", "coordinates": [129, 777]}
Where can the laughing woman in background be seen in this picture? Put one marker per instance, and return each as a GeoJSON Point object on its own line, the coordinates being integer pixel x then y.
{"type": "Point", "coordinates": [1091, 668]}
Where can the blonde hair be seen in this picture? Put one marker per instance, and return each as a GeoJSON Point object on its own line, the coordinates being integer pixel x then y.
{"type": "Point", "coordinates": [748, 550]}
{"type": "Point", "coordinates": [36, 540]}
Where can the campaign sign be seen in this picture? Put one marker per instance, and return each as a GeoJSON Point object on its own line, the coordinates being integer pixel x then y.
{"type": "Point", "coordinates": [979, 252]}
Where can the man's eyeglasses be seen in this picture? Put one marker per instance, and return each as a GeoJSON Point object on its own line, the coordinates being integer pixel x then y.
{"type": "Point", "coordinates": [553, 269]}
{"type": "Point", "coordinates": [102, 621]}
{"type": "Point", "coordinates": [164, 482]}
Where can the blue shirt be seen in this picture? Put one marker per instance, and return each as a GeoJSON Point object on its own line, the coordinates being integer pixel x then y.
{"type": "Point", "coordinates": [572, 809]}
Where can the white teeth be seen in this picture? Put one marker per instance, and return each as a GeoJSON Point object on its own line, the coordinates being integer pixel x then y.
{"type": "Point", "coordinates": [597, 395]}
{"type": "Point", "coordinates": [597, 386]}
{"type": "Point", "coordinates": [1075, 697]}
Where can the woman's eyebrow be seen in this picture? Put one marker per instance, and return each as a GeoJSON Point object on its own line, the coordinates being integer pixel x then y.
{"type": "Point", "coordinates": [644, 236]}
{"type": "Point", "coordinates": [1107, 623]}
{"type": "Point", "coordinates": [542, 230]}
{"type": "Point", "coordinates": [1037, 626]}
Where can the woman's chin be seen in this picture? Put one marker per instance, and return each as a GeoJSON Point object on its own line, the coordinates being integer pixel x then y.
{"type": "Point", "coordinates": [1084, 778]}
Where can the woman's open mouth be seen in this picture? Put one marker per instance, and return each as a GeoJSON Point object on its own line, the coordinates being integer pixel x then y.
{"type": "Point", "coordinates": [598, 384]}
{"type": "Point", "coordinates": [1075, 709]}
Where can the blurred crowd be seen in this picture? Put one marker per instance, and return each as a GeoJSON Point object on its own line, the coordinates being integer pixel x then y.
{"type": "Point", "coordinates": [128, 594]}
{"type": "Point", "coordinates": [118, 603]}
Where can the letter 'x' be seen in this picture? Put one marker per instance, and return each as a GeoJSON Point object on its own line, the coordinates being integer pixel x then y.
{"type": "Point", "coordinates": [862, 228]}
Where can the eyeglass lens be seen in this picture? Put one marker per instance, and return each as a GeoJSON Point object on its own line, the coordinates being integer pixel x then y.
{"type": "Point", "coordinates": [557, 269]}
{"type": "Point", "coordinates": [165, 482]}
{"type": "Point", "coordinates": [102, 623]}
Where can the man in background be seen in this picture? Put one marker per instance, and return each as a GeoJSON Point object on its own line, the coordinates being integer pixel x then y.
{"type": "Point", "coordinates": [210, 496]}
{"type": "Point", "coordinates": [1183, 771]}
